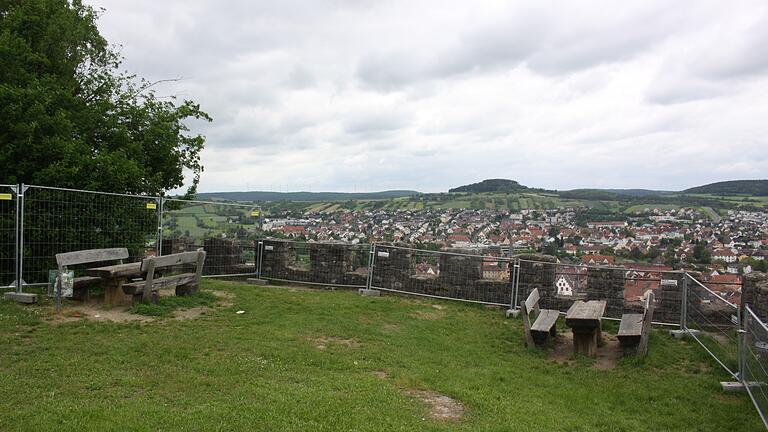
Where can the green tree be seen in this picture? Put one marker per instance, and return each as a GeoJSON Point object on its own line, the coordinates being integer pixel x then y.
{"type": "Point", "coordinates": [70, 117]}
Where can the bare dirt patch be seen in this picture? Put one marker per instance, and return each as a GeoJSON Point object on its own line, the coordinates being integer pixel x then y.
{"type": "Point", "coordinates": [380, 374]}
{"type": "Point", "coordinates": [429, 315]}
{"type": "Point", "coordinates": [324, 342]}
{"type": "Point", "coordinates": [94, 312]}
{"type": "Point", "coordinates": [391, 328]}
{"type": "Point", "coordinates": [608, 353]}
{"type": "Point", "coordinates": [441, 407]}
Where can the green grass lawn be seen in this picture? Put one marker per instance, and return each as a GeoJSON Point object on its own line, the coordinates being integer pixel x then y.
{"type": "Point", "coordinates": [263, 370]}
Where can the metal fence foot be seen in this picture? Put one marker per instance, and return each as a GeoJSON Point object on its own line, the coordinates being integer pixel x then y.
{"type": "Point", "coordinates": [732, 386]}
{"type": "Point", "coordinates": [369, 292]}
{"type": "Point", "coordinates": [257, 281]}
{"type": "Point", "coordinates": [513, 313]}
{"type": "Point", "coordinates": [21, 297]}
{"type": "Point", "coordinates": [679, 334]}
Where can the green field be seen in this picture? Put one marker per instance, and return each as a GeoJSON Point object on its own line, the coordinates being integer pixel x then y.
{"type": "Point", "coordinates": [206, 220]}
{"type": "Point", "coordinates": [299, 360]}
{"type": "Point", "coordinates": [516, 201]}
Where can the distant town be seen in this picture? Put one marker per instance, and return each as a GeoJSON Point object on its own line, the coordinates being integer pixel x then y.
{"type": "Point", "coordinates": [652, 240]}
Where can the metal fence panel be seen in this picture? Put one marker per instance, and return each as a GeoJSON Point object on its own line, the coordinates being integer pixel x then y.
{"type": "Point", "coordinates": [755, 362]}
{"type": "Point", "coordinates": [450, 275]}
{"type": "Point", "coordinates": [715, 323]}
{"type": "Point", "coordinates": [226, 231]}
{"type": "Point", "coordinates": [328, 264]}
{"type": "Point", "coordinates": [62, 220]}
{"type": "Point", "coordinates": [623, 288]}
{"type": "Point", "coordinates": [8, 223]}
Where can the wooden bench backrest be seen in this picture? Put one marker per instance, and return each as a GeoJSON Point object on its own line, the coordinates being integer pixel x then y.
{"type": "Point", "coordinates": [532, 302]}
{"type": "Point", "coordinates": [170, 260]}
{"type": "Point", "coordinates": [91, 256]}
{"type": "Point", "coordinates": [645, 334]}
{"type": "Point", "coordinates": [149, 265]}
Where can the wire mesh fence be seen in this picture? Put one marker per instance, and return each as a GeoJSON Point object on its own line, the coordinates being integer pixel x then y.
{"type": "Point", "coordinates": [330, 264]}
{"type": "Point", "coordinates": [753, 367]}
{"type": "Point", "coordinates": [8, 223]}
{"type": "Point", "coordinates": [713, 322]}
{"type": "Point", "coordinates": [458, 275]}
{"type": "Point", "coordinates": [226, 231]}
{"type": "Point", "coordinates": [62, 220]}
{"type": "Point", "coordinates": [623, 288]}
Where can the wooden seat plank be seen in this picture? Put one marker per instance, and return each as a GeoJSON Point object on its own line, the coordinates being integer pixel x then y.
{"type": "Point", "coordinates": [635, 329]}
{"type": "Point", "coordinates": [166, 282]}
{"type": "Point", "coordinates": [86, 281]}
{"type": "Point", "coordinates": [546, 319]}
{"type": "Point", "coordinates": [631, 325]}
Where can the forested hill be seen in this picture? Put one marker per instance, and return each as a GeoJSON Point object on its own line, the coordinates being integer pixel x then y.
{"type": "Point", "coordinates": [746, 187]}
{"type": "Point", "coordinates": [492, 185]}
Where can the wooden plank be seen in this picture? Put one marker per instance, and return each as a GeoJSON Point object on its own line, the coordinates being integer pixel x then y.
{"type": "Point", "coordinates": [532, 300]}
{"type": "Point", "coordinates": [546, 319]}
{"type": "Point", "coordinates": [116, 271]}
{"type": "Point", "coordinates": [166, 282]}
{"type": "Point", "coordinates": [642, 349]}
{"type": "Point", "coordinates": [171, 260]}
{"type": "Point", "coordinates": [86, 281]}
{"type": "Point", "coordinates": [526, 324]}
{"type": "Point", "coordinates": [91, 256]}
{"type": "Point", "coordinates": [631, 325]}
{"type": "Point", "coordinates": [592, 310]}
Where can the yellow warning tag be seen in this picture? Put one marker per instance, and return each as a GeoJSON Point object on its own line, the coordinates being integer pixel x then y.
{"type": "Point", "coordinates": [6, 197]}
{"type": "Point", "coordinates": [255, 213]}
{"type": "Point", "coordinates": [151, 206]}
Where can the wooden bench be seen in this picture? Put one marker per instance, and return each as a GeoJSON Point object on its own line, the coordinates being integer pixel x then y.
{"type": "Point", "coordinates": [146, 291]}
{"type": "Point", "coordinates": [635, 329]}
{"type": "Point", "coordinates": [544, 323]}
{"type": "Point", "coordinates": [83, 283]}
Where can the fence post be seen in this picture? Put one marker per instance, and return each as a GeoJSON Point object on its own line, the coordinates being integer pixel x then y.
{"type": "Point", "coordinates": [159, 246]}
{"type": "Point", "coordinates": [744, 319]}
{"type": "Point", "coordinates": [684, 303]}
{"type": "Point", "coordinates": [20, 237]}
{"type": "Point", "coordinates": [371, 260]}
{"type": "Point", "coordinates": [259, 254]}
{"type": "Point", "coordinates": [516, 286]}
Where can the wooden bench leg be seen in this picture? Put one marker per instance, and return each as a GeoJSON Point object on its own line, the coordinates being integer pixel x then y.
{"type": "Point", "coordinates": [114, 295]}
{"type": "Point", "coordinates": [188, 289]}
{"type": "Point", "coordinates": [585, 341]}
{"type": "Point", "coordinates": [80, 293]}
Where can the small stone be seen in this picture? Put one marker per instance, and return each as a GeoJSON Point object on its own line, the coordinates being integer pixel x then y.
{"type": "Point", "coordinates": [240, 312]}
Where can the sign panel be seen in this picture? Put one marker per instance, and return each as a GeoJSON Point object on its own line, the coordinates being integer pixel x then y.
{"type": "Point", "coordinates": [151, 206]}
{"type": "Point", "coordinates": [6, 197]}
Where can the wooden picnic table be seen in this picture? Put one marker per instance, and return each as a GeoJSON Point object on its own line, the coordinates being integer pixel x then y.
{"type": "Point", "coordinates": [585, 319]}
{"type": "Point", "coordinates": [114, 277]}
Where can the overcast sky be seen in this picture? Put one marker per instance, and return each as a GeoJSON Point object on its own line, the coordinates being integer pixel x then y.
{"type": "Point", "coordinates": [375, 95]}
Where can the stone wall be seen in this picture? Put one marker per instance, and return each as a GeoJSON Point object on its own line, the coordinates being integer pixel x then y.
{"type": "Point", "coordinates": [328, 264]}
{"type": "Point", "coordinates": [754, 293]}
{"type": "Point", "coordinates": [607, 284]}
{"type": "Point", "coordinates": [459, 276]}
{"type": "Point", "coordinates": [669, 298]}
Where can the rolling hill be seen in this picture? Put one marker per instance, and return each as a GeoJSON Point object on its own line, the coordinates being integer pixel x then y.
{"type": "Point", "coordinates": [734, 187]}
{"type": "Point", "coordinates": [304, 196]}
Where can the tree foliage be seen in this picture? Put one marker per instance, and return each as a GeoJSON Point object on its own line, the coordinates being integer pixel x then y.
{"type": "Point", "coordinates": [70, 117]}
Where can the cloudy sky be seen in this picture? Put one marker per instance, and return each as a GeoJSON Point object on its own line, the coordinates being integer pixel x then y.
{"type": "Point", "coordinates": [374, 95]}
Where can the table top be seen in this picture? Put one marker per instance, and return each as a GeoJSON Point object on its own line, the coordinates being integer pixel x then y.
{"type": "Point", "coordinates": [592, 310]}
{"type": "Point", "coordinates": [116, 271]}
